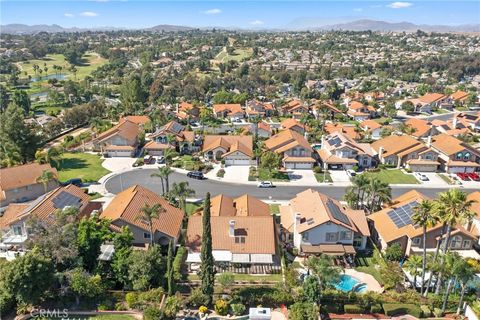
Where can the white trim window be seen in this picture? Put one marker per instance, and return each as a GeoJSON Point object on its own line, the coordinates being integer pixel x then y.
{"type": "Point", "coordinates": [456, 242]}
{"type": "Point", "coordinates": [466, 244]}
{"type": "Point", "coordinates": [331, 236]}
{"type": "Point", "coordinates": [147, 235]}
{"type": "Point", "coordinates": [416, 241]}
{"type": "Point", "coordinates": [345, 235]}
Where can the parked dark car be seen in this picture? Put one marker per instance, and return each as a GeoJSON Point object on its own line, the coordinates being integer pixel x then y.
{"type": "Point", "coordinates": [149, 160]}
{"type": "Point", "coordinates": [195, 175]}
{"type": "Point", "coordinates": [75, 181]}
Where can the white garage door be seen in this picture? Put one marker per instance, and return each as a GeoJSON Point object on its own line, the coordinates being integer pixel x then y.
{"type": "Point", "coordinates": [237, 162]}
{"type": "Point", "coordinates": [298, 165]}
{"type": "Point", "coordinates": [119, 154]}
{"type": "Point", "coordinates": [461, 169]}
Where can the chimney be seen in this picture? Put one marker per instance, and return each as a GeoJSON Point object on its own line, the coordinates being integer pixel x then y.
{"type": "Point", "coordinates": [298, 217]}
{"type": "Point", "coordinates": [429, 140]}
{"type": "Point", "coordinates": [380, 153]}
{"type": "Point", "coordinates": [455, 122]}
{"type": "Point", "coordinates": [231, 228]}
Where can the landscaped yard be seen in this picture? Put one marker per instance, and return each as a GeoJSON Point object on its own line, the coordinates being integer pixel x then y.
{"type": "Point", "coordinates": [238, 55]}
{"type": "Point", "coordinates": [445, 178]}
{"type": "Point", "coordinates": [266, 175]}
{"type": "Point", "coordinates": [392, 176]}
{"type": "Point", "coordinates": [192, 207]}
{"type": "Point", "coordinates": [85, 166]}
{"type": "Point", "coordinates": [321, 177]}
{"type": "Point", "coordinates": [274, 209]}
{"type": "Point", "coordinates": [366, 265]}
{"type": "Point", "coordinates": [246, 277]}
{"type": "Point", "coordinates": [90, 62]}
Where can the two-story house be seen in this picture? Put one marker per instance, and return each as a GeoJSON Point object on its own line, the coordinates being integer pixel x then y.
{"type": "Point", "coordinates": [295, 150]}
{"type": "Point", "coordinates": [243, 234]}
{"type": "Point", "coordinates": [233, 150]}
{"type": "Point", "coordinates": [341, 152]}
{"type": "Point", "coordinates": [420, 128]}
{"type": "Point", "coordinates": [187, 111]}
{"type": "Point", "coordinates": [360, 112]}
{"type": "Point", "coordinates": [317, 224]}
{"type": "Point", "coordinates": [394, 224]}
{"type": "Point", "coordinates": [119, 141]}
{"type": "Point", "coordinates": [14, 221]}
{"type": "Point", "coordinates": [228, 111]}
{"type": "Point", "coordinates": [372, 129]}
{"type": "Point", "coordinates": [295, 125]}
{"type": "Point", "coordinates": [294, 108]}
{"type": "Point", "coordinates": [406, 151]}
{"type": "Point", "coordinates": [262, 129]}
{"type": "Point", "coordinates": [455, 155]}
{"type": "Point", "coordinates": [20, 183]}
{"type": "Point", "coordinates": [255, 108]}
{"type": "Point", "coordinates": [172, 136]}
{"type": "Point", "coordinates": [125, 210]}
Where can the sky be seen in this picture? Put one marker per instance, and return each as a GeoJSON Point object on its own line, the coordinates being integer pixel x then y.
{"type": "Point", "coordinates": [262, 14]}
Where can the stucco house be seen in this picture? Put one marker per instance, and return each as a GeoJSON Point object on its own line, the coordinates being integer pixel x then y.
{"type": "Point", "coordinates": [317, 224]}
{"type": "Point", "coordinates": [228, 111]}
{"type": "Point", "coordinates": [119, 141]}
{"type": "Point", "coordinates": [172, 136]}
{"type": "Point", "coordinates": [372, 129]}
{"type": "Point", "coordinates": [295, 150]}
{"type": "Point", "coordinates": [233, 150]}
{"type": "Point", "coordinates": [455, 155]}
{"type": "Point", "coordinates": [360, 112]}
{"type": "Point", "coordinates": [255, 108]}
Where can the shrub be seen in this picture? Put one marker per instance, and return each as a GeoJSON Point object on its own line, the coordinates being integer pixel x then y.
{"type": "Point", "coordinates": [355, 168]}
{"type": "Point", "coordinates": [221, 307]}
{"type": "Point", "coordinates": [238, 309]}
{"type": "Point", "coordinates": [353, 308]}
{"type": "Point", "coordinates": [426, 311]}
{"type": "Point", "coordinates": [330, 308]}
{"type": "Point", "coordinates": [152, 313]}
{"type": "Point", "coordinates": [408, 170]}
{"type": "Point", "coordinates": [317, 169]}
{"type": "Point", "coordinates": [221, 173]}
{"type": "Point", "coordinates": [132, 300]}
{"type": "Point", "coordinates": [119, 306]}
{"type": "Point", "coordinates": [394, 252]}
{"type": "Point", "coordinates": [376, 308]}
{"type": "Point", "coordinates": [178, 262]}
{"type": "Point", "coordinates": [196, 298]}
{"type": "Point", "coordinates": [203, 309]}
{"type": "Point", "coordinates": [437, 312]}
{"type": "Point", "coordinates": [226, 279]}
{"type": "Point", "coordinates": [394, 309]}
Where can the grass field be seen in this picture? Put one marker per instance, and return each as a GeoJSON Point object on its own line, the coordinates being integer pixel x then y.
{"type": "Point", "coordinates": [85, 166]}
{"type": "Point", "coordinates": [192, 207]}
{"type": "Point", "coordinates": [275, 209]}
{"type": "Point", "coordinates": [320, 176]}
{"type": "Point", "coordinates": [238, 55]}
{"type": "Point", "coordinates": [265, 175]}
{"type": "Point", "coordinates": [393, 176]}
{"type": "Point", "coordinates": [90, 62]}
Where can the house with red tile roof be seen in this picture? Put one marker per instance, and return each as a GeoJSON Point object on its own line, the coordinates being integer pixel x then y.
{"type": "Point", "coordinates": [372, 128]}
{"type": "Point", "coordinates": [263, 130]}
{"type": "Point", "coordinates": [454, 155]}
{"type": "Point", "coordinates": [172, 135]}
{"type": "Point", "coordinates": [359, 112]}
{"type": "Point", "coordinates": [294, 108]}
{"type": "Point", "coordinates": [295, 150]}
{"type": "Point", "coordinates": [233, 150]}
{"type": "Point", "coordinates": [228, 111]}
{"type": "Point", "coordinates": [255, 108]}
{"type": "Point", "coordinates": [295, 125]}
{"type": "Point", "coordinates": [119, 141]}
{"type": "Point", "coordinates": [186, 111]}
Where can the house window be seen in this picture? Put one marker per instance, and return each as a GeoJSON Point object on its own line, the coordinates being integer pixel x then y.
{"type": "Point", "coordinates": [416, 241]}
{"type": "Point", "coordinates": [466, 156]}
{"type": "Point", "coordinates": [239, 240]}
{"type": "Point", "coordinates": [345, 235]}
{"type": "Point", "coordinates": [456, 242]}
{"type": "Point", "coordinates": [331, 236]}
{"type": "Point", "coordinates": [459, 156]}
{"type": "Point", "coordinates": [17, 230]}
{"type": "Point", "coordinates": [428, 156]}
{"type": "Point", "coordinates": [30, 187]}
{"type": "Point", "coordinates": [466, 244]}
{"type": "Point", "coordinates": [146, 235]}
{"type": "Point", "coordinates": [305, 236]}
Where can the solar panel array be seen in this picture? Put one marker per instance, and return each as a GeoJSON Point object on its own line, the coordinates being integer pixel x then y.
{"type": "Point", "coordinates": [65, 199]}
{"type": "Point", "coordinates": [177, 127]}
{"type": "Point", "coordinates": [337, 213]}
{"type": "Point", "coordinates": [335, 141]}
{"type": "Point", "coordinates": [402, 216]}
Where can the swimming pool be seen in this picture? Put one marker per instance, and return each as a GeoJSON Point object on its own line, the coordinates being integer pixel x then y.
{"type": "Point", "coordinates": [348, 283]}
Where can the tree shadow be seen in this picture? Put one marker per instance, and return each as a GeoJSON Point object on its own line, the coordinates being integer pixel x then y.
{"type": "Point", "coordinates": [73, 163]}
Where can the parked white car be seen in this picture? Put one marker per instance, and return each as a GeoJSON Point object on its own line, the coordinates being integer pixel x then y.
{"type": "Point", "coordinates": [265, 184]}
{"type": "Point", "coordinates": [420, 176]}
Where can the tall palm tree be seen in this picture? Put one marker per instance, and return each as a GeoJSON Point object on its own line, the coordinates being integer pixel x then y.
{"type": "Point", "coordinates": [412, 265]}
{"type": "Point", "coordinates": [159, 174]}
{"type": "Point", "coordinates": [361, 182]}
{"type": "Point", "coordinates": [182, 191]}
{"type": "Point", "coordinates": [452, 207]}
{"type": "Point", "coordinates": [169, 154]}
{"type": "Point", "coordinates": [148, 214]}
{"type": "Point", "coordinates": [424, 216]}
{"type": "Point", "coordinates": [165, 172]}
{"type": "Point", "coordinates": [45, 178]}
{"type": "Point", "coordinates": [378, 192]}
{"type": "Point", "coordinates": [323, 268]}
{"type": "Point", "coordinates": [465, 272]}
{"type": "Point", "coordinates": [452, 263]}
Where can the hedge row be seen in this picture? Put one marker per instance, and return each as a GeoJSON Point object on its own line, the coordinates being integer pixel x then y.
{"type": "Point", "coordinates": [394, 309]}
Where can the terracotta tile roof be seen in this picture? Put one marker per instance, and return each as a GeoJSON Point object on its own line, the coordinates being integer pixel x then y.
{"type": "Point", "coordinates": [449, 145]}
{"type": "Point", "coordinates": [185, 106]}
{"type": "Point", "coordinates": [286, 140]}
{"type": "Point", "coordinates": [476, 205]}
{"type": "Point", "coordinates": [349, 130]}
{"type": "Point", "coordinates": [252, 220]}
{"type": "Point", "coordinates": [315, 208]}
{"type": "Point", "coordinates": [298, 159]}
{"type": "Point", "coordinates": [127, 206]}
{"type": "Point", "coordinates": [125, 129]}
{"type": "Point", "coordinates": [333, 159]}
{"type": "Point", "coordinates": [112, 147]}
{"type": "Point", "coordinates": [22, 175]}
{"type": "Point", "coordinates": [394, 145]}
{"type": "Point", "coordinates": [290, 123]}
{"type": "Point", "coordinates": [422, 127]}
{"type": "Point", "coordinates": [152, 145]}
{"type": "Point", "coordinates": [459, 95]}
{"type": "Point", "coordinates": [355, 105]}
{"type": "Point", "coordinates": [11, 214]}
{"type": "Point", "coordinates": [141, 120]}
{"type": "Point", "coordinates": [229, 143]}
{"type": "Point", "coordinates": [232, 108]}
{"type": "Point", "coordinates": [292, 105]}
{"type": "Point", "coordinates": [431, 97]}
{"type": "Point", "coordinates": [370, 125]}
{"type": "Point", "coordinates": [237, 146]}
{"type": "Point", "coordinates": [423, 161]}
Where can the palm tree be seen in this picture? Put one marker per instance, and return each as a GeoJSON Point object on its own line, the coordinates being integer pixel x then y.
{"type": "Point", "coordinates": [412, 265]}
{"type": "Point", "coordinates": [159, 174]}
{"type": "Point", "coordinates": [182, 191]}
{"type": "Point", "coordinates": [452, 263]}
{"type": "Point", "coordinates": [147, 214]}
{"type": "Point", "coordinates": [255, 121]}
{"type": "Point", "coordinates": [323, 268]}
{"type": "Point", "coordinates": [45, 178]}
{"type": "Point", "coordinates": [360, 183]}
{"type": "Point", "coordinates": [465, 272]}
{"type": "Point", "coordinates": [423, 215]}
{"type": "Point", "coordinates": [452, 207]}
{"type": "Point", "coordinates": [378, 192]}
{"type": "Point", "coordinates": [169, 154]}
{"type": "Point", "coordinates": [163, 174]}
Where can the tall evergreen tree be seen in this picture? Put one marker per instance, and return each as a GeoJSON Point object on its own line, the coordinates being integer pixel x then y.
{"type": "Point", "coordinates": [207, 269]}
{"type": "Point", "coordinates": [170, 283]}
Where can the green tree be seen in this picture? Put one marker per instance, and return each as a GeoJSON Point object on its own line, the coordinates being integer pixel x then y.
{"type": "Point", "coordinates": [270, 161]}
{"type": "Point", "coordinates": [148, 214]}
{"type": "Point", "coordinates": [122, 243]}
{"type": "Point", "coordinates": [91, 234]}
{"type": "Point", "coordinates": [413, 264]}
{"type": "Point", "coordinates": [133, 95]}
{"type": "Point", "coordinates": [464, 273]}
{"type": "Point", "coordinates": [324, 269]}
{"type": "Point", "coordinates": [311, 289]}
{"type": "Point", "coordinates": [85, 285]}
{"type": "Point", "coordinates": [170, 280]}
{"type": "Point", "coordinates": [21, 99]}
{"type": "Point", "coordinates": [182, 191]}
{"type": "Point", "coordinates": [303, 311]}
{"type": "Point", "coordinates": [226, 280]}
{"type": "Point", "coordinates": [45, 179]}
{"type": "Point", "coordinates": [207, 271]}
{"type": "Point", "coordinates": [394, 252]}
{"type": "Point", "coordinates": [146, 268]}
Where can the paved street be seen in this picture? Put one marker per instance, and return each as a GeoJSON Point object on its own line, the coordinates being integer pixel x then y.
{"type": "Point", "coordinates": [142, 177]}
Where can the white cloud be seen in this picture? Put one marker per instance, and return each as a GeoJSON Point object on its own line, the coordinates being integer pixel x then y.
{"type": "Point", "coordinates": [256, 22]}
{"type": "Point", "coordinates": [69, 15]}
{"type": "Point", "coordinates": [213, 11]}
{"type": "Point", "coordinates": [358, 9]}
{"type": "Point", "coordinates": [89, 14]}
{"type": "Point", "coordinates": [376, 6]}
{"type": "Point", "coordinates": [399, 5]}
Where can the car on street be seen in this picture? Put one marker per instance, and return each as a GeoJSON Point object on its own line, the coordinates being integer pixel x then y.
{"type": "Point", "coordinates": [266, 184]}
{"type": "Point", "coordinates": [149, 160]}
{"type": "Point", "coordinates": [195, 175]}
{"type": "Point", "coordinates": [161, 160]}
{"type": "Point", "coordinates": [420, 176]}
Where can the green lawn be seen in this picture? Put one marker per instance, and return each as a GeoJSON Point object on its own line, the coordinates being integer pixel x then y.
{"type": "Point", "coordinates": [265, 175]}
{"type": "Point", "coordinates": [90, 62]}
{"type": "Point", "coordinates": [192, 207]}
{"type": "Point", "coordinates": [366, 265]}
{"type": "Point", "coordinates": [445, 178]}
{"type": "Point", "coordinates": [238, 55]}
{"type": "Point", "coordinates": [85, 166]}
{"type": "Point", "coordinates": [393, 176]}
{"type": "Point", "coordinates": [320, 176]}
{"type": "Point", "coordinates": [274, 209]}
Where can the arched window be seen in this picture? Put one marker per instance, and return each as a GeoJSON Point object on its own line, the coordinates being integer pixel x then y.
{"type": "Point", "coordinates": [456, 242]}
{"type": "Point", "coordinates": [459, 156]}
{"type": "Point", "coordinates": [466, 156]}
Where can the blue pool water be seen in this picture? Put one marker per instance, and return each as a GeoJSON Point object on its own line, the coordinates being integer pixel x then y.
{"type": "Point", "coordinates": [347, 283]}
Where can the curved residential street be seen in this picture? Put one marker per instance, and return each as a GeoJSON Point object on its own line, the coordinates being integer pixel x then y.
{"type": "Point", "coordinates": [142, 177]}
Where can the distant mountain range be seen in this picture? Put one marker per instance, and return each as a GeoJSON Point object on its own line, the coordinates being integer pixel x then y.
{"type": "Point", "coordinates": [313, 24]}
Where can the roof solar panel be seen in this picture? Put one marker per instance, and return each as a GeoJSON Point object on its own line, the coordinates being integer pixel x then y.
{"type": "Point", "coordinates": [402, 216]}
{"type": "Point", "coordinates": [337, 213]}
{"type": "Point", "coordinates": [65, 199]}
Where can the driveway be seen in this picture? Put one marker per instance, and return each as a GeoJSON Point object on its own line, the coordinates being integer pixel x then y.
{"type": "Point", "coordinates": [118, 163]}
{"type": "Point", "coordinates": [302, 177]}
{"type": "Point", "coordinates": [434, 180]}
{"type": "Point", "coordinates": [339, 176]}
{"type": "Point", "coordinates": [236, 173]}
